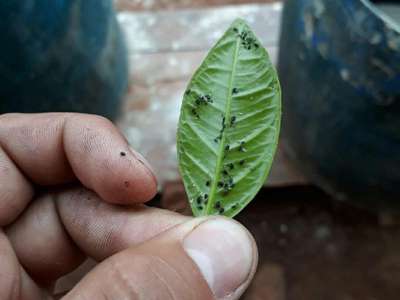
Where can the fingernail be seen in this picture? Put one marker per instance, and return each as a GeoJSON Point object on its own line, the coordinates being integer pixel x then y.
{"type": "Point", "coordinates": [144, 162]}
{"type": "Point", "coordinates": [223, 251]}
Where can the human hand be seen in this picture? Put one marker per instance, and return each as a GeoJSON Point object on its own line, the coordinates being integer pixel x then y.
{"type": "Point", "coordinates": [71, 188]}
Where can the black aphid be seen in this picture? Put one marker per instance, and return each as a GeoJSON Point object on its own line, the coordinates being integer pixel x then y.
{"type": "Point", "coordinates": [227, 147]}
{"type": "Point", "coordinates": [200, 207]}
{"type": "Point", "coordinates": [241, 147]}
{"type": "Point", "coordinates": [233, 120]}
{"type": "Point", "coordinates": [235, 29]}
{"type": "Point", "coordinates": [235, 90]}
{"type": "Point", "coordinates": [220, 184]}
{"type": "Point", "coordinates": [208, 183]}
{"type": "Point", "coordinates": [234, 207]}
{"type": "Point", "coordinates": [199, 199]}
{"type": "Point", "coordinates": [123, 153]}
{"type": "Point", "coordinates": [231, 166]}
{"type": "Point", "coordinates": [242, 162]}
{"type": "Point", "coordinates": [227, 188]}
{"type": "Point", "coordinates": [203, 100]}
{"type": "Point", "coordinates": [256, 45]}
{"type": "Point", "coordinates": [188, 91]}
{"type": "Point", "coordinates": [225, 172]}
{"type": "Point", "coordinates": [221, 210]}
{"type": "Point", "coordinates": [218, 205]}
{"type": "Point", "coordinates": [206, 196]}
{"type": "Point", "coordinates": [216, 140]}
{"type": "Point", "coordinates": [194, 111]}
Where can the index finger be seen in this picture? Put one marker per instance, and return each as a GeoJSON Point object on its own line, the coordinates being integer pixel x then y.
{"type": "Point", "coordinates": [56, 148]}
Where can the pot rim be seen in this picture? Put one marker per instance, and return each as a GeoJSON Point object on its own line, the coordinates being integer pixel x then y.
{"type": "Point", "coordinates": [380, 14]}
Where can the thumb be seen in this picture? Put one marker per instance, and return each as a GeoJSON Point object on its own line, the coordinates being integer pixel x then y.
{"type": "Point", "coordinates": [212, 258]}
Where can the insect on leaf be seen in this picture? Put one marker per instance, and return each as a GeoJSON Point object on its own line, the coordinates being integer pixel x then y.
{"type": "Point", "coordinates": [229, 124]}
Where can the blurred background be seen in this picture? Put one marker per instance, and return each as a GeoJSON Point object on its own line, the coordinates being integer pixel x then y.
{"type": "Point", "coordinates": [327, 220]}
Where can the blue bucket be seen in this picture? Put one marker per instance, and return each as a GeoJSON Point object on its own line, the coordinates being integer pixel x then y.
{"type": "Point", "coordinates": [61, 55]}
{"type": "Point", "coordinates": [340, 72]}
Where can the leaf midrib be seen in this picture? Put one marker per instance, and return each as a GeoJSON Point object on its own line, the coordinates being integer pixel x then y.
{"type": "Point", "coordinates": [222, 143]}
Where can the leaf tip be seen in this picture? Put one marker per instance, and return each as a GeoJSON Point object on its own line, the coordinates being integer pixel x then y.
{"type": "Point", "coordinates": [239, 23]}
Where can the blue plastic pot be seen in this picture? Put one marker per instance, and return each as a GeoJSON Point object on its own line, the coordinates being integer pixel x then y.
{"type": "Point", "coordinates": [61, 55]}
{"type": "Point", "coordinates": [340, 74]}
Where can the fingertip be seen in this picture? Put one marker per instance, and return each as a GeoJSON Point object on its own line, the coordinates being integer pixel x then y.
{"type": "Point", "coordinates": [130, 182]}
{"type": "Point", "coordinates": [225, 253]}
{"type": "Point", "coordinates": [118, 174]}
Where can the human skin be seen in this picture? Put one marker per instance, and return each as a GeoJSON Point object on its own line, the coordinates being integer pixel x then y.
{"type": "Point", "coordinates": [71, 187]}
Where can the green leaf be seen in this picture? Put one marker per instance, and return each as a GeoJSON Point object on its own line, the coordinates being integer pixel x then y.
{"type": "Point", "coordinates": [229, 124]}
